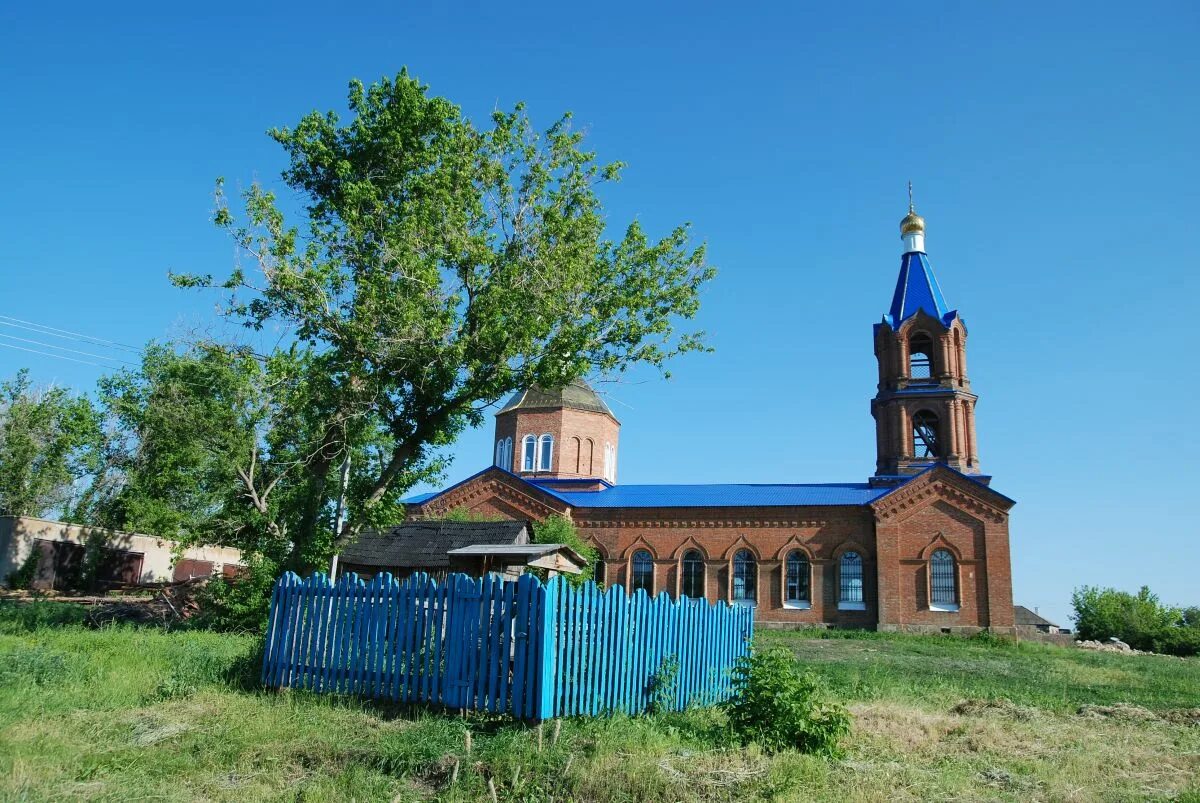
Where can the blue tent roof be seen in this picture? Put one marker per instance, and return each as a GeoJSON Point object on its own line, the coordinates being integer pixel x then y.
{"type": "Point", "coordinates": [917, 289]}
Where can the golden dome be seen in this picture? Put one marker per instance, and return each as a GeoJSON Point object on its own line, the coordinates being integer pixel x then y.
{"type": "Point", "coordinates": [912, 224]}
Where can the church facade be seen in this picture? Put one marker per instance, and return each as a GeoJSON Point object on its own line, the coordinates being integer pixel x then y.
{"type": "Point", "coordinates": [921, 545]}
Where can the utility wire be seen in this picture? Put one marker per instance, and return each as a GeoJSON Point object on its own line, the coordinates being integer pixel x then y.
{"type": "Point", "coordinates": [59, 356]}
{"type": "Point", "coordinates": [66, 334]}
{"type": "Point", "coordinates": [64, 348]}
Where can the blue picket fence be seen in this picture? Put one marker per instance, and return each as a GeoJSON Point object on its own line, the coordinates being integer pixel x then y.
{"type": "Point", "coordinates": [521, 647]}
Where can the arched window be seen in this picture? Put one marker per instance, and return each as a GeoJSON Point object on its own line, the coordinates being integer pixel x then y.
{"type": "Point", "coordinates": [546, 452]}
{"type": "Point", "coordinates": [598, 572]}
{"type": "Point", "coordinates": [943, 581]}
{"type": "Point", "coordinates": [745, 578]}
{"type": "Point", "coordinates": [529, 453]}
{"type": "Point", "coordinates": [642, 572]}
{"type": "Point", "coordinates": [691, 580]}
{"type": "Point", "coordinates": [798, 575]}
{"type": "Point", "coordinates": [508, 461]}
{"type": "Point", "coordinates": [920, 356]}
{"type": "Point", "coordinates": [591, 457]}
{"type": "Point", "coordinates": [850, 582]}
{"type": "Point", "coordinates": [926, 443]}
{"type": "Point", "coordinates": [500, 452]}
{"type": "Point", "coordinates": [578, 453]}
{"type": "Point", "coordinates": [610, 462]}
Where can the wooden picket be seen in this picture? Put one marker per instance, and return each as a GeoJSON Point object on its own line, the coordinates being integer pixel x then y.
{"type": "Point", "coordinates": [521, 647]}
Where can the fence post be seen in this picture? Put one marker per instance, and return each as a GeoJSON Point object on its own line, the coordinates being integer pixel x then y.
{"type": "Point", "coordinates": [547, 632]}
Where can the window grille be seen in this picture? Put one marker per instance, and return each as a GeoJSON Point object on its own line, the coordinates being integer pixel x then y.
{"type": "Point", "coordinates": [851, 578]}
{"type": "Point", "coordinates": [643, 572]}
{"type": "Point", "coordinates": [745, 576]}
{"type": "Point", "coordinates": [798, 576]}
{"type": "Point", "coordinates": [692, 584]}
{"type": "Point", "coordinates": [942, 578]}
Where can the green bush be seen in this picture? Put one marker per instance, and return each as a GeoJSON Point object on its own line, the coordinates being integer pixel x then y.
{"type": "Point", "coordinates": [24, 575]}
{"type": "Point", "coordinates": [1140, 620]}
{"type": "Point", "coordinates": [1182, 641]}
{"type": "Point", "coordinates": [779, 707]}
{"type": "Point", "coordinates": [561, 530]}
{"type": "Point", "coordinates": [241, 603]}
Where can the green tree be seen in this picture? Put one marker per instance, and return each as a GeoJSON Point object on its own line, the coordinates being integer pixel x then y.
{"type": "Point", "coordinates": [557, 529]}
{"type": "Point", "coordinates": [211, 443]}
{"type": "Point", "coordinates": [1136, 619]}
{"type": "Point", "coordinates": [440, 267]}
{"type": "Point", "coordinates": [49, 442]}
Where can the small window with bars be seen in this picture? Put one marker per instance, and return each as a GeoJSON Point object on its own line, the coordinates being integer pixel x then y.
{"type": "Point", "coordinates": [798, 573]}
{"type": "Point", "coordinates": [745, 578]}
{"type": "Point", "coordinates": [642, 571]}
{"type": "Point", "coordinates": [943, 581]}
{"type": "Point", "coordinates": [692, 580]}
{"type": "Point", "coordinates": [850, 581]}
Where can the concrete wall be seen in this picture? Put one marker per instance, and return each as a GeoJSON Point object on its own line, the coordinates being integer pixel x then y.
{"type": "Point", "coordinates": [17, 534]}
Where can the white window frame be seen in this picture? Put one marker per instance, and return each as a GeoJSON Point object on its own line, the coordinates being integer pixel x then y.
{"type": "Point", "coordinates": [545, 452]}
{"type": "Point", "coordinates": [529, 459]}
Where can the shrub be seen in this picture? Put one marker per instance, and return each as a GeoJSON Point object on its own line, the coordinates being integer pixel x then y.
{"type": "Point", "coordinates": [780, 707]}
{"type": "Point", "coordinates": [239, 603]}
{"type": "Point", "coordinates": [24, 575]}
{"type": "Point", "coordinates": [1136, 619]}
{"type": "Point", "coordinates": [1182, 641]}
{"type": "Point", "coordinates": [663, 685]}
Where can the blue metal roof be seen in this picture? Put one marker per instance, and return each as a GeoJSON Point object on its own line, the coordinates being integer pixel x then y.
{"type": "Point", "coordinates": [731, 495]}
{"type": "Point", "coordinates": [917, 289]}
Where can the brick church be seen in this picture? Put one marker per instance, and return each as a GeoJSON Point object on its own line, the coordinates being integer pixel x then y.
{"type": "Point", "coordinates": [921, 545]}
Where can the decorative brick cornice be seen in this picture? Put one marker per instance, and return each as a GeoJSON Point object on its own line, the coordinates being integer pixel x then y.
{"type": "Point", "coordinates": [696, 523]}
{"type": "Point", "coordinates": [910, 498]}
{"type": "Point", "coordinates": [483, 488]}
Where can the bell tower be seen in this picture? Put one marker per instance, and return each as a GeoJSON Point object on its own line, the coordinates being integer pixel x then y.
{"type": "Point", "coordinates": [924, 409]}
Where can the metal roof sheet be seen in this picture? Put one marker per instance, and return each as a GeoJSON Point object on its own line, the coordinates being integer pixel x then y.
{"type": "Point", "coordinates": [427, 544]}
{"type": "Point", "coordinates": [578, 395]}
{"type": "Point", "coordinates": [917, 289]}
{"type": "Point", "coordinates": [724, 495]}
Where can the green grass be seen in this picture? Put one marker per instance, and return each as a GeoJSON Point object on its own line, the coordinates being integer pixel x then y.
{"type": "Point", "coordinates": [939, 670]}
{"type": "Point", "coordinates": [142, 714]}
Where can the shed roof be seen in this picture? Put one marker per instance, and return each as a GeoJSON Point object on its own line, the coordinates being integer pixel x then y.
{"type": "Point", "coordinates": [427, 544]}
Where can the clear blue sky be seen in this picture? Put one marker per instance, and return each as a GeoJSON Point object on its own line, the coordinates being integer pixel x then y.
{"type": "Point", "coordinates": [1053, 148]}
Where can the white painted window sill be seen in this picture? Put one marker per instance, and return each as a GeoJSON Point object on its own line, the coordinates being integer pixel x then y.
{"type": "Point", "coordinates": [944, 608]}
{"type": "Point", "coordinates": [797, 605]}
{"type": "Point", "coordinates": [852, 606]}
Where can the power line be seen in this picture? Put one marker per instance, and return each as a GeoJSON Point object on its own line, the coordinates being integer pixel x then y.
{"type": "Point", "coordinates": [66, 334]}
{"type": "Point", "coordinates": [64, 348]}
{"type": "Point", "coordinates": [59, 356]}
